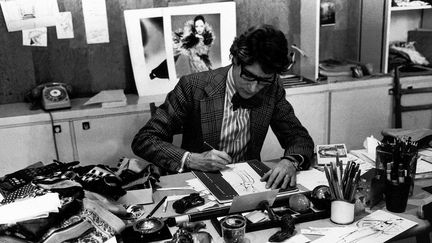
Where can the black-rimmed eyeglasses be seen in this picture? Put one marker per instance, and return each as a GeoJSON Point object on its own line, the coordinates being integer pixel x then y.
{"type": "Point", "coordinates": [248, 76]}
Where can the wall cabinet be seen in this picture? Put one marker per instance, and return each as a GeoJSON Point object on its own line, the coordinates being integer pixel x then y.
{"type": "Point", "coordinates": [359, 112]}
{"type": "Point", "coordinates": [104, 140]}
{"type": "Point", "coordinates": [25, 144]}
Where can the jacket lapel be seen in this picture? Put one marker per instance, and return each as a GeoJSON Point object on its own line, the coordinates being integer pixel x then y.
{"type": "Point", "coordinates": [212, 107]}
{"type": "Point", "coordinates": [258, 120]}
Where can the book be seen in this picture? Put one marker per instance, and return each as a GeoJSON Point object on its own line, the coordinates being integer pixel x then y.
{"type": "Point", "coordinates": [327, 153]}
{"type": "Point", "coordinates": [239, 179]}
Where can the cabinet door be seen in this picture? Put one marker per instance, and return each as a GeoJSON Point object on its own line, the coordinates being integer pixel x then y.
{"type": "Point", "coordinates": [421, 118]}
{"type": "Point", "coordinates": [104, 140]}
{"type": "Point", "coordinates": [23, 145]}
{"type": "Point", "coordinates": [358, 113]}
{"type": "Point", "coordinates": [312, 111]}
{"type": "Point", "coordinates": [64, 140]}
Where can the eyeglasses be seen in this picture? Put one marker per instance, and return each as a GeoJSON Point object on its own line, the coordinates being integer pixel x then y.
{"type": "Point", "coordinates": [248, 76]}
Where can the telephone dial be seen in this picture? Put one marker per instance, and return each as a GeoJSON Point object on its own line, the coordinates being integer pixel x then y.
{"type": "Point", "coordinates": [51, 96]}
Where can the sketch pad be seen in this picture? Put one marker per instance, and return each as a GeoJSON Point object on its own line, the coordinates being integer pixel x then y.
{"type": "Point", "coordinates": [240, 179]}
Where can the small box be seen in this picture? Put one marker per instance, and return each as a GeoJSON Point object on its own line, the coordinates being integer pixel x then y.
{"type": "Point", "coordinates": [422, 38]}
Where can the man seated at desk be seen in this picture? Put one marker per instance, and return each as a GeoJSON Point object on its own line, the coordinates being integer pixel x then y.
{"type": "Point", "coordinates": [225, 114]}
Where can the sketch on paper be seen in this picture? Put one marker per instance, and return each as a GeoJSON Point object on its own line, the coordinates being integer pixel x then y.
{"type": "Point", "coordinates": [243, 179]}
{"type": "Point", "coordinates": [35, 37]}
{"type": "Point", "coordinates": [96, 21]}
{"type": "Point", "coordinates": [29, 14]}
{"type": "Point", "coordinates": [379, 226]}
{"type": "Point", "coordinates": [64, 27]}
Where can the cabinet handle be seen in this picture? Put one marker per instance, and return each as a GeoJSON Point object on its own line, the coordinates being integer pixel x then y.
{"type": "Point", "coordinates": [57, 129]}
{"type": "Point", "coordinates": [86, 125]}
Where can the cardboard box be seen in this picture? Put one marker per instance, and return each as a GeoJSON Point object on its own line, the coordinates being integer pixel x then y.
{"type": "Point", "coordinates": [423, 42]}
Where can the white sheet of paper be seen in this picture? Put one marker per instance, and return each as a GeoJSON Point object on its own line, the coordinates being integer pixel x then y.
{"type": "Point", "coordinates": [140, 196]}
{"type": "Point", "coordinates": [29, 14]}
{"type": "Point", "coordinates": [35, 37]}
{"type": "Point", "coordinates": [311, 178]}
{"type": "Point", "coordinates": [423, 166]}
{"type": "Point", "coordinates": [96, 21]}
{"type": "Point", "coordinates": [64, 26]}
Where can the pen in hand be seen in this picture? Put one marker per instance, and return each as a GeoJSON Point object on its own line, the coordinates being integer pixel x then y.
{"type": "Point", "coordinates": [208, 145]}
{"type": "Point", "coordinates": [156, 207]}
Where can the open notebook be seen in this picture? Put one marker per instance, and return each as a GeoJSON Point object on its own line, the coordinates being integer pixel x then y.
{"type": "Point", "coordinates": [240, 179]}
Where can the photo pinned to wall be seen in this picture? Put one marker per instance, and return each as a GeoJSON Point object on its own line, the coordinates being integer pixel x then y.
{"type": "Point", "coordinates": [64, 26]}
{"type": "Point", "coordinates": [327, 12]}
{"type": "Point", "coordinates": [196, 46]}
{"type": "Point", "coordinates": [35, 37]}
{"type": "Point", "coordinates": [29, 14]}
{"type": "Point", "coordinates": [163, 48]}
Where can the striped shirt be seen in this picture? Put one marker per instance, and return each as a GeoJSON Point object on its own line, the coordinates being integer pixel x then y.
{"type": "Point", "coordinates": [235, 132]}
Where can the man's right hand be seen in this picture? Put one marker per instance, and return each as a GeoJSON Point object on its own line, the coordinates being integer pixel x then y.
{"type": "Point", "coordinates": [212, 160]}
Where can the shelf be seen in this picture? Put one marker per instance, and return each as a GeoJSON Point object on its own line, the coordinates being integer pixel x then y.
{"type": "Point", "coordinates": [410, 8]}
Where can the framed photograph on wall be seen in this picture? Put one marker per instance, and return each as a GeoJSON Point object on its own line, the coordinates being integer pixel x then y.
{"type": "Point", "coordinates": [167, 43]}
{"type": "Point", "coordinates": [327, 12]}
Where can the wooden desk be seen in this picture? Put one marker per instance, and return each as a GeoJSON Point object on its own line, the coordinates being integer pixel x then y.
{"type": "Point", "coordinates": [421, 231]}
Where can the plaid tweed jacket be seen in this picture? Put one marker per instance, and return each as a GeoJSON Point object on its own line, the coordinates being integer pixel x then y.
{"type": "Point", "coordinates": [196, 104]}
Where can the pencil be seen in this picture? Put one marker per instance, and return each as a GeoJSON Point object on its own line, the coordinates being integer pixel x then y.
{"type": "Point", "coordinates": [157, 206]}
{"type": "Point", "coordinates": [332, 191]}
{"type": "Point", "coordinates": [208, 145]}
{"type": "Point", "coordinates": [354, 189]}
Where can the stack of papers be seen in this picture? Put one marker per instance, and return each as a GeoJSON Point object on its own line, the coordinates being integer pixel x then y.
{"type": "Point", "coordinates": [109, 98]}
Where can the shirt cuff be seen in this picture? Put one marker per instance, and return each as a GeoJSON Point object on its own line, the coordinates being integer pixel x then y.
{"type": "Point", "coordinates": [183, 161]}
{"type": "Point", "coordinates": [297, 159]}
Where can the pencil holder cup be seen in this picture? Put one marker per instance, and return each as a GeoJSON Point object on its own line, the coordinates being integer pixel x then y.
{"type": "Point", "coordinates": [342, 212]}
{"type": "Point", "coordinates": [396, 196]}
{"type": "Point", "coordinates": [411, 162]}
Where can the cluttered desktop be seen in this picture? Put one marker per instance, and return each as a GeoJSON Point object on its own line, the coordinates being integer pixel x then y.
{"type": "Point", "coordinates": [378, 193]}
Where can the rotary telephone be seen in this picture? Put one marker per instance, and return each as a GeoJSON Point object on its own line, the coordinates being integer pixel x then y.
{"type": "Point", "coordinates": [50, 96]}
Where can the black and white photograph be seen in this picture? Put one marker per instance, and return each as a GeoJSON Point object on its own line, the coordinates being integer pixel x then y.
{"type": "Point", "coordinates": [328, 153]}
{"type": "Point", "coordinates": [196, 43]}
{"type": "Point", "coordinates": [327, 12]}
{"type": "Point", "coordinates": [167, 43]}
{"type": "Point", "coordinates": [211, 121]}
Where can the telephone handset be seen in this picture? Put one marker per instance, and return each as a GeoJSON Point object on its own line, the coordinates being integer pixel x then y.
{"type": "Point", "coordinates": [51, 96]}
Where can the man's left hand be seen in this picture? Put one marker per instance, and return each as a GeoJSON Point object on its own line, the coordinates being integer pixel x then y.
{"type": "Point", "coordinates": [284, 172]}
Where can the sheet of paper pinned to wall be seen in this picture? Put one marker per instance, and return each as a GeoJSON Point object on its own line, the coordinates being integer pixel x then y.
{"type": "Point", "coordinates": [29, 14]}
{"type": "Point", "coordinates": [35, 37]}
{"type": "Point", "coordinates": [95, 20]}
{"type": "Point", "coordinates": [64, 26]}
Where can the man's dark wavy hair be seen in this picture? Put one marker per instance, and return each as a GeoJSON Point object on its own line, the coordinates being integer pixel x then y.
{"type": "Point", "coordinates": [263, 44]}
